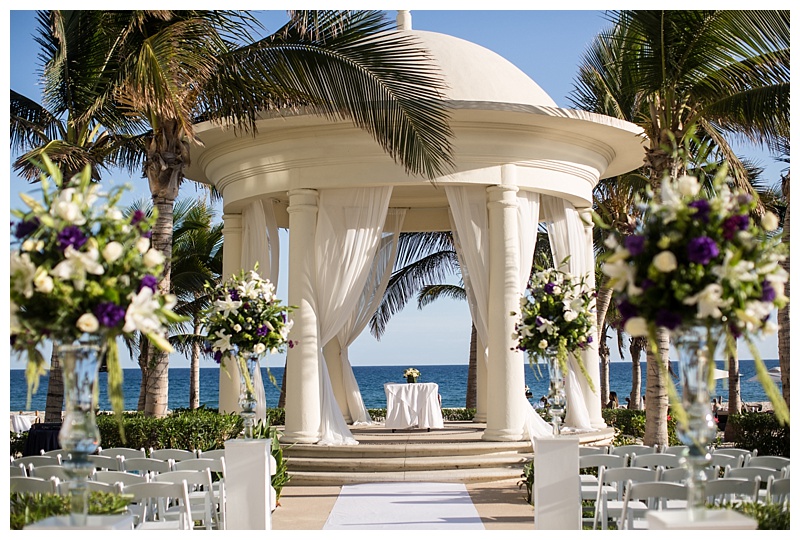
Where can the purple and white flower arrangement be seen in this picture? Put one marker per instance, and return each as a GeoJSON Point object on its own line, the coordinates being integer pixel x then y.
{"type": "Point", "coordinates": [700, 259]}
{"type": "Point", "coordinates": [556, 314]}
{"type": "Point", "coordinates": [83, 268]}
{"type": "Point", "coordinates": [245, 318]}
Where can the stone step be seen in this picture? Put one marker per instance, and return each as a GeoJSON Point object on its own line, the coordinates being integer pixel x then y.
{"type": "Point", "coordinates": [399, 449]}
{"type": "Point", "coordinates": [302, 478]}
{"type": "Point", "coordinates": [421, 463]}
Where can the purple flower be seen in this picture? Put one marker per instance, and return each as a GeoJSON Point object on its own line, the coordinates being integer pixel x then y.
{"type": "Point", "coordinates": [71, 236]}
{"type": "Point", "coordinates": [702, 249]}
{"type": "Point", "coordinates": [109, 314]}
{"type": "Point", "coordinates": [234, 294]}
{"type": "Point", "coordinates": [218, 357]}
{"type": "Point", "coordinates": [767, 292]}
{"type": "Point", "coordinates": [137, 216]}
{"type": "Point", "coordinates": [668, 319]}
{"type": "Point", "coordinates": [647, 283]}
{"type": "Point", "coordinates": [147, 234]}
{"type": "Point", "coordinates": [589, 339]}
{"type": "Point", "coordinates": [627, 310]}
{"type": "Point", "coordinates": [634, 244]}
{"type": "Point", "coordinates": [734, 224]}
{"type": "Point", "coordinates": [702, 210]}
{"type": "Point", "coordinates": [262, 330]}
{"type": "Point", "coordinates": [24, 228]}
{"type": "Point", "coordinates": [148, 281]}
{"type": "Point", "coordinates": [549, 288]}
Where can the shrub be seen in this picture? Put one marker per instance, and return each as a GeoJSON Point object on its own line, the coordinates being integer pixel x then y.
{"type": "Point", "coordinates": [630, 426]}
{"type": "Point", "coordinates": [27, 508]}
{"type": "Point", "coordinates": [762, 432]}
{"type": "Point", "coordinates": [18, 442]}
{"type": "Point", "coordinates": [770, 516]}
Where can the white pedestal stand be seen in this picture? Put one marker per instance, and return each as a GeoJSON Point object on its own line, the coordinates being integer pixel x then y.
{"type": "Point", "coordinates": [248, 481]}
{"type": "Point", "coordinates": [556, 486]}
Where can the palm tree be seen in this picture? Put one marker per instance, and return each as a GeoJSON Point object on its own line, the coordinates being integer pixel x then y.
{"type": "Point", "coordinates": [170, 69]}
{"type": "Point", "coordinates": [714, 74]}
{"type": "Point", "coordinates": [64, 128]}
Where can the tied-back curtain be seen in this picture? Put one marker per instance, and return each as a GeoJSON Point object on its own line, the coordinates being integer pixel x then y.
{"type": "Point", "coordinates": [371, 296]}
{"type": "Point", "coordinates": [260, 245]}
{"type": "Point", "coordinates": [349, 228]}
{"type": "Point", "coordinates": [470, 224]}
{"type": "Point", "coordinates": [567, 238]}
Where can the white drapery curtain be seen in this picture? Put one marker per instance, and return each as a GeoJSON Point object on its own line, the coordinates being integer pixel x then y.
{"type": "Point", "coordinates": [377, 280]}
{"type": "Point", "coordinates": [349, 227]}
{"type": "Point", "coordinates": [470, 222]}
{"type": "Point", "coordinates": [567, 238]}
{"type": "Point", "coordinates": [260, 245]}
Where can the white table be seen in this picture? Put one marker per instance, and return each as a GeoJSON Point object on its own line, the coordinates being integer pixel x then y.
{"type": "Point", "coordinates": [20, 423]}
{"type": "Point", "coordinates": [413, 405]}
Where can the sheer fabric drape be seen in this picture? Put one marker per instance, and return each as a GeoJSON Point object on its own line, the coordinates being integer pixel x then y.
{"type": "Point", "coordinates": [567, 238]}
{"type": "Point", "coordinates": [470, 223]}
{"type": "Point", "coordinates": [377, 280]}
{"type": "Point", "coordinates": [349, 227]}
{"type": "Point", "coordinates": [260, 245]}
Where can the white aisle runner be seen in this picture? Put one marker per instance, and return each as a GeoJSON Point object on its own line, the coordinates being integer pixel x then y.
{"type": "Point", "coordinates": [404, 505]}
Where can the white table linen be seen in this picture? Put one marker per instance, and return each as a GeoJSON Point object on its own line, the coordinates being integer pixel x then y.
{"type": "Point", "coordinates": [20, 423]}
{"type": "Point", "coordinates": [413, 405]}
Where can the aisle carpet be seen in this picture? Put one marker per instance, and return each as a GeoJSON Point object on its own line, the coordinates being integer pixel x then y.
{"type": "Point", "coordinates": [404, 505]}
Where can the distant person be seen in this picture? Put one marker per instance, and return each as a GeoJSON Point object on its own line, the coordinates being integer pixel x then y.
{"type": "Point", "coordinates": [541, 404]}
{"type": "Point", "coordinates": [643, 404]}
{"type": "Point", "coordinates": [627, 403]}
{"type": "Point", "coordinates": [613, 402]}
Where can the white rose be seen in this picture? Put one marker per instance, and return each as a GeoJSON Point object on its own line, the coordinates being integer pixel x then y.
{"type": "Point", "coordinates": [636, 326]}
{"type": "Point", "coordinates": [543, 344]}
{"type": "Point", "coordinates": [237, 328]}
{"type": "Point", "coordinates": [88, 323]}
{"type": "Point", "coordinates": [688, 186]}
{"type": "Point", "coordinates": [665, 262]}
{"type": "Point", "coordinates": [143, 244]}
{"type": "Point", "coordinates": [556, 290]}
{"type": "Point", "coordinates": [43, 282]}
{"type": "Point", "coordinates": [114, 214]}
{"type": "Point", "coordinates": [68, 210]}
{"type": "Point", "coordinates": [112, 251]}
{"type": "Point", "coordinates": [153, 258]}
{"type": "Point", "coordinates": [570, 316]}
{"type": "Point", "coordinates": [769, 221]}
{"type": "Point", "coordinates": [259, 348]}
{"type": "Point", "coordinates": [28, 245]}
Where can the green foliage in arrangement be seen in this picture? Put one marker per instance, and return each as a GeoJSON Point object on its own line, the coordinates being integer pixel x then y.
{"type": "Point", "coordinates": [762, 432]}
{"type": "Point", "coordinates": [18, 442]}
{"type": "Point", "coordinates": [27, 508]}
{"type": "Point", "coordinates": [527, 481]}
{"type": "Point", "coordinates": [770, 516]}
{"type": "Point", "coordinates": [629, 426]}
{"type": "Point", "coordinates": [203, 429]}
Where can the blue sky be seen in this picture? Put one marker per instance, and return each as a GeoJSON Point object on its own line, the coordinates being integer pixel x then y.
{"type": "Point", "coordinates": [546, 45]}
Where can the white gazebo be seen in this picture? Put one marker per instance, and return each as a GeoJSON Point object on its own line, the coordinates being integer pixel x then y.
{"type": "Point", "coordinates": [519, 161]}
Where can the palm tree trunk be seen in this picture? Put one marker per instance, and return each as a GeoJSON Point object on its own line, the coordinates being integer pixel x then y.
{"type": "Point", "coordinates": [734, 390]}
{"type": "Point", "coordinates": [472, 370]}
{"type": "Point", "coordinates": [143, 366]}
{"type": "Point", "coordinates": [655, 431]}
{"type": "Point", "coordinates": [604, 354]}
{"type": "Point", "coordinates": [636, 347]}
{"type": "Point", "coordinates": [282, 398]}
{"type": "Point", "coordinates": [783, 313]}
{"type": "Point", "coordinates": [604, 296]}
{"type": "Point", "coordinates": [55, 389]}
{"type": "Point", "coordinates": [194, 376]}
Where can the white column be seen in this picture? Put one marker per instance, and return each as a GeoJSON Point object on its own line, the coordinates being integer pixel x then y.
{"type": "Point", "coordinates": [302, 370]}
{"type": "Point", "coordinates": [333, 359]}
{"type": "Point", "coordinates": [591, 356]}
{"type": "Point", "coordinates": [481, 375]}
{"type": "Point", "coordinates": [506, 376]}
{"type": "Point", "coordinates": [231, 264]}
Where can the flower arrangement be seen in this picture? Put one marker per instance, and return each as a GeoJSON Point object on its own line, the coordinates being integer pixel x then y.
{"type": "Point", "coordinates": [246, 318]}
{"type": "Point", "coordinates": [411, 372]}
{"type": "Point", "coordinates": [83, 268]}
{"type": "Point", "coordinates": [556, 312]}
{"type": "Point", "coordinates": [700, 260]}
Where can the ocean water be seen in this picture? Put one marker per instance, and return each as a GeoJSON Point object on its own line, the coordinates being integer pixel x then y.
{"type": "Point", "coordinates": [452, 381]}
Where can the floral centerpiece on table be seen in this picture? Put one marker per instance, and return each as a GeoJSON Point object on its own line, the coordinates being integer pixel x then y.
{"type": "Point", "coordinates": [556, 314]}
{"type": "Point", "coordinates": [411, 374]}
{"type": "Point", "coordinates": [701, 260]}
{"type": "Point", "coordinates": [83, 268]}
{"type": "Point", "coordinates": [246, 318]}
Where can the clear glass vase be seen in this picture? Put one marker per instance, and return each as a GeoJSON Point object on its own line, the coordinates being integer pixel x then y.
{"type": "Point", "coordinates": [79, 436]}
{"type": "Point", "coordinates": [411, 379]}
{"type": "Point", "coordinates": [556, 397]}
{"type": "Point", "coordinates": [698, 431]}
{"type": "Point", "coordinates": [247, 396]}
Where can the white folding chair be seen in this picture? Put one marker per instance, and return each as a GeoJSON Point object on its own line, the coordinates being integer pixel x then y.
{"type": "Point", "coordinates": [143, 465]}
{"type": "Point", "coordinates": [104, 463]}
{"type": "Point", "coordinates": [18, 470]}
{"type": "Point", "coordinates": [122, 451]}
{"type": "Point", "coordinates": [37, 461]}
{"type": "Point", "coordinates": [612, 482]}
{"type": "Point", "coordinates": [750, 473]}
{"type": "Point", "coordinates": [217, 468]}
{"type": "Point", "coordinates": [778, 491]}
{"type": "Point", "coordinates": [676, 450]}
{"type": "Point", "coordinates": [92, 485]}
{"type": "Point", "coordinates": [211, 454]}
{"type": "Point", "coordinates": [746, 454]}
{"type": "Point", "coordinates": [628, 449]}
{"type": "Point", "coordinates": [49, 471]}
{"type": "Point", "coordinates": [768, 462]}
{"type": "Point", "coordinates": [175, 454]}
{"type": "Point", "coordinates": [658, 496]}
{"type": "Point", "coordinates": [152, 500]}
{"type": "Point", "coordinates": [727, 460]}
{"type": "Point", "coordinates": [680, 474]}
{"type": "Point", "coordinates": [119, 477]}
{"type": "Point", "coordinates": [53, 453]}
{"type": "Point", "coordinates": [592, 450]}
{"type": "Point", "coordinates": [725, 490]}
{"type": "Point", "coordinates": [25, 484]}
{"type": "Point", "coordinates": [651, 461]}
{"type": "Point", "coordinates": [200, 495]}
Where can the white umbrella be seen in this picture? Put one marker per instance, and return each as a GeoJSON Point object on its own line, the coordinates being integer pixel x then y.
{"type": "Point", "coordinates": [774, 374]}
{"type": "Point", "coordinates": [720, 374]}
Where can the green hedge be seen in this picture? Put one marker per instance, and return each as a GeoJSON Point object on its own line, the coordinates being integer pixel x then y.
{"type": "Point", "coordinates": [27, 508]}
{"type": "Point", "coordinates": [762, 432]}
{"type": "Point", "coordinates": [630, 425]}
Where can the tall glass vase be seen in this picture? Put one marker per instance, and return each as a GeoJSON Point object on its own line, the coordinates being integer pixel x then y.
{"type": "Point", "coordinates": [556, 397]}
{"type": "Point", "coordinates": [247, 395]}
{"type": "Point", "coordinates": [79, 436]}
{"type": "Point", "coordinates": [695, 358]}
